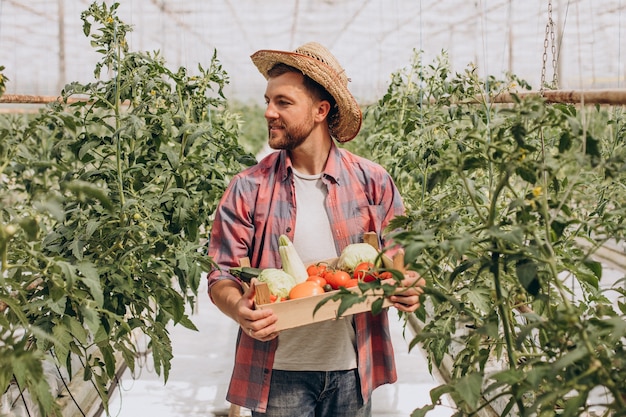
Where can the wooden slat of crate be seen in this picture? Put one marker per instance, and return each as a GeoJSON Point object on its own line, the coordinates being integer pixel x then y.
{"type": "Point", "coordinates": [299, 312]}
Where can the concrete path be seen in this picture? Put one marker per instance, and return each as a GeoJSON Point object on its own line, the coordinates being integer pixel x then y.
{"type": "Point", "coordinates": [202, 366]}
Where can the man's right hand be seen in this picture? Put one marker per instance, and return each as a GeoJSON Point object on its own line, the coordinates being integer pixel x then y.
{"type": "Point", "coordinates": [258, 324]}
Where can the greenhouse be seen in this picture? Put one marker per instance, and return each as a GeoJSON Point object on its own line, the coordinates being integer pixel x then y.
{"type": "Point", "coordinates": [459, 181]}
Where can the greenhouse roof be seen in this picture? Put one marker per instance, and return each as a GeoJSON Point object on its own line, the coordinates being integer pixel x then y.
{"type": "Point", "coordinates": [43, 47]}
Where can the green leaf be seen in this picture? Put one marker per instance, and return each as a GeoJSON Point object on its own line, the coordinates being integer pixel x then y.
{"type": "Point", "coordinates": [462, 267]}
{"type": "Point", "coordinates": [574, 405]}
{"type": "Point", "coordinates": [569, 359]}
{"type": "Point", "coordinates": [468, 387]}
{"type": "Point", "coordinates": [76, 329]}
{"type": "Point", "coordinates": [527, 174]}
{"type": "Point", "coordinates": [91, 278]}
{"type": "Point", "coordinates": [595, 267]}
{"type": "Point", "coordinates": [438, 392]}
{"type": "Point", "coordinates": [421, 412]}
{"type": "Point", "coordinates": [68, 272]}
{"type": "Point", "coordinates": [462, 244]}
{"type": "Point", "coordinates": [527, 274]}
{"type": "Point", "coordinates": [84, 189]}
{"type": "Point", "coordinates": [565, 142]}
{"type": "Point", "coordinates": [377, 306]}
{"type": "Point", "coordinates": [509, 376]}
{"type": "Point", "coordinates": [187, 323]}
{"type": "Point", "coordinates": [90, 317]}
{"type": "Point", "coordinates": [109, 359]}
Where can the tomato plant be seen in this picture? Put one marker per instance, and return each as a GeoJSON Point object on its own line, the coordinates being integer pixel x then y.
{"type": "Point", "coordinates": [506, 206]}
{"type": "Point", "coordinates": [104, 205]}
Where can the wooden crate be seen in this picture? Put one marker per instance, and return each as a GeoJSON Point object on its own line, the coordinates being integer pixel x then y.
{"type": "Point", "coordinates": [299, 312]}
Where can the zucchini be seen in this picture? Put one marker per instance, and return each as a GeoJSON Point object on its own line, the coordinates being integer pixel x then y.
{"type": "Point", "coordinates": [245, 273]}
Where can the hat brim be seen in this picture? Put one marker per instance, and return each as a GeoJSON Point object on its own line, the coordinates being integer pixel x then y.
{"type": "Point", "coordinates": [350, 116]}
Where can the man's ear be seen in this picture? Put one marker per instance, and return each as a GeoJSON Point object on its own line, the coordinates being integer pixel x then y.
{"type": "Point", "coordinates": [323, 108]}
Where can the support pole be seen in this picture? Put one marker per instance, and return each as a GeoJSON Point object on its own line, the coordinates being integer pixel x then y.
{"type": "Point", "coordinates": [62, 75]}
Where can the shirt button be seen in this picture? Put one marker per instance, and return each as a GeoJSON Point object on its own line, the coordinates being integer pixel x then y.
{"type": "Point", "coordinates": [288, 229]}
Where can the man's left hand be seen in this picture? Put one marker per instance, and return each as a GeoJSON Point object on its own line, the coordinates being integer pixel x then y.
{"type": "Point", "coordinates": [408, 300]}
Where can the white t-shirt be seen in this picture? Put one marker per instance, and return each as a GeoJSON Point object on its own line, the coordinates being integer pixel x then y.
{"type": "Point", "coordinates": [329, 345]}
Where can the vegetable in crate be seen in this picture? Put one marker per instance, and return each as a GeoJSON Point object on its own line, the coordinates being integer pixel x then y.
{"type": "Point", "coordinates": [355, 253]}
{"type": "Point", "coordinates": [292, 263]}
{"type": "Point", "coordinates": [278, 281]}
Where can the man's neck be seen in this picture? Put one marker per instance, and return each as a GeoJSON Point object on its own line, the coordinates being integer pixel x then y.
{"type": "Point", "coordinates": [310, 157]}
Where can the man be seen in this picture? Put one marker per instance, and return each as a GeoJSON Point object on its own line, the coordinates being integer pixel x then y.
{"type": "Point", "coordinates": [323, 198]}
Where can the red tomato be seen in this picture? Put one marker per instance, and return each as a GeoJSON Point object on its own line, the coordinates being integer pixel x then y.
{"type": "Point", "coordinates": [385, 275]}
{"type": "Point", "coordinates": [316, 269]}
{"type": "Point", "coordinates": [318, 279]}
{"type": "Point", "coordinates": [337, 278]}
{"type": "Point", "coordinates": [352, 282]}
{"type": "Point", "coordinates": [364, 272]}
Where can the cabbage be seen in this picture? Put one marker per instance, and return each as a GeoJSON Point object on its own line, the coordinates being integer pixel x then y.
{"type": "Point", "coordinates": [278, 281]}
{"type": "Point", "coordinates": [354, 254]}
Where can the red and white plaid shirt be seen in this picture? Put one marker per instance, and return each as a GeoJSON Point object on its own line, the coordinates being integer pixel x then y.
{"type": "Point", "coordinates": [257, 207]}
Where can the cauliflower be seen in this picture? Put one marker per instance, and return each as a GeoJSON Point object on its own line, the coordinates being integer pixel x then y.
{"type": "Point", "coordinates": [278, 281]}
{"type": "Point", "coordinates": [354, 254]}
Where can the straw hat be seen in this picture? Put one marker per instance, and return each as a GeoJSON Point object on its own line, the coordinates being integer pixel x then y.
{"type": "Point", "coordinates": [317, 62]}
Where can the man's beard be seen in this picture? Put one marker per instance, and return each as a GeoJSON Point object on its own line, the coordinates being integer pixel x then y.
{"type": "Point", "coordinates": [289, 138]}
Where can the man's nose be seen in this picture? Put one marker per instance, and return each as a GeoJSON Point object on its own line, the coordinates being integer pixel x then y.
{"type": "Point", "coordinates": [270, 112]}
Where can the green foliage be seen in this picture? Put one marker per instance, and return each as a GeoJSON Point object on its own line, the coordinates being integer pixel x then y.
{"type": "Point", "coordinates": [253, 125]}
{"type": "Point", "coordinates": [500, 200]}
{"type": "Point", "coordinates": [3, 81]}
{"type": "Point", "coordinates": [105, 200]}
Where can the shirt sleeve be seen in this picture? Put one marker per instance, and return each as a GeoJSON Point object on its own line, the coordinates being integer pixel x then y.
{"type": "Point", "coordinates": [232, 231]}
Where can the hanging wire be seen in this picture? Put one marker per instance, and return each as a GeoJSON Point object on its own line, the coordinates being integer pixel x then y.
{"type": "Point", "coordinates": [619, 42]}
{"type": "Point", "coordinates": [562, 34]}
{"type": "Point", "coordinates": [421, 74]}
{"type": "Point", "coordinates": [23, 398]}
{"type": "Point", "coordinates": [67, 388]}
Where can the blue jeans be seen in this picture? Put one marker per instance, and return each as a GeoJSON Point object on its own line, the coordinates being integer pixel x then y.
{"type": "Point", "coordinates": [315, 394]}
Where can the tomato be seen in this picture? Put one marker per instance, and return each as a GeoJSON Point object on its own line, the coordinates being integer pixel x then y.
{"type": "Point", "coordinates": [316, 278]}
{"type": "Point", "coordinates": [305, 289]}
{"type": "Point", "coordinates": [337, 278]}
{"type": "Point", "coordinates": [352, 282]}
{"type": "Point", "coordinates": [316, 269]}
{"type": "Point", "coordinates": [363, 272]}
{"type": "Point", "coordinates": [385, 275]}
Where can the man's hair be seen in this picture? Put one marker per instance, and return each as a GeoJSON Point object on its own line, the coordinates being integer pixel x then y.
{"type": "Point", "coordinates": [312, 86]}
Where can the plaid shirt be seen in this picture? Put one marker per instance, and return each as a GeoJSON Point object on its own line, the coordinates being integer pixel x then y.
{"type": "Point", "coordinates": [260, 205]}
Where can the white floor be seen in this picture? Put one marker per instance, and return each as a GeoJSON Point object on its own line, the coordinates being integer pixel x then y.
{"type": "Point", "coordinates": [203, 362]}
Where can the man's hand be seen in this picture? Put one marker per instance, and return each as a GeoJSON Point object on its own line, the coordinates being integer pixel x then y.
{"type": "Point", "coordinates": [409, 299]}
{"type": "Point", "coordinates": [258, 324]}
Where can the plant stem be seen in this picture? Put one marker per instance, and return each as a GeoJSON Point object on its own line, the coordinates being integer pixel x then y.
{"type": "Point", "coordinates": [504, 315]}
{"type": "Point", "coordinates": [118, 124]}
